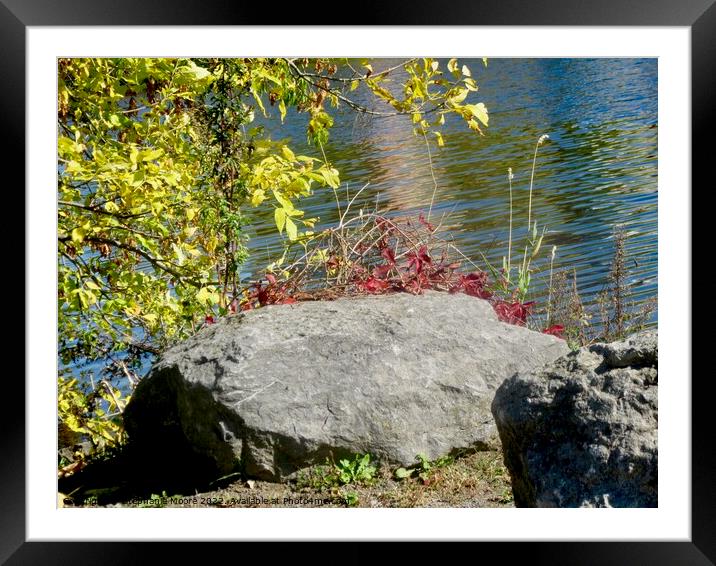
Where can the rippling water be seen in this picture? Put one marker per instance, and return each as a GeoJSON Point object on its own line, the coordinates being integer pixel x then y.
{"type": "Point", "coordinates": [598, 168]}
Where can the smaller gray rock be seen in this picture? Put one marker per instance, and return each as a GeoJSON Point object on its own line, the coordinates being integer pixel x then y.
{"type": "Point", "coordinates": [582, 432]}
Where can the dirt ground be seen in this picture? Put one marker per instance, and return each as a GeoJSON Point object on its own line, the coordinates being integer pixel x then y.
{"type": "Point", "coordinates": [475, 480]}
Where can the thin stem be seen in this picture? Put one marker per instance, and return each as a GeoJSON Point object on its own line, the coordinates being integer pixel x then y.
{"type": "Point", "coordinates": [532, 178]}
{"type": "Point", "coordinates": [348, 207]}
{"type": "Point", "coordinates": [432, 173]}
{"type": "Point", "coordinates": [509, 243]}
{"type": "Point", "coordinates": [549, 296]}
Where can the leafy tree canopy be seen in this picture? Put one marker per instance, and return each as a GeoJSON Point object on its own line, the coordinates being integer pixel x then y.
{"type": "Point", "coordinates": [159, 165]}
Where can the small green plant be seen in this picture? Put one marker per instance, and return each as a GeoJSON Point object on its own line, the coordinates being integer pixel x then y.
{"type": "Point", "coordinates": [424, 468]}
{"type": "Point", "coordinates": [350, 499]}
{"type": "Point", "coordinates": [321, 478]}
{"type": "Point", "coordinates": [358, 470]}
{"type": "Point", "coordinates": [329, 476]}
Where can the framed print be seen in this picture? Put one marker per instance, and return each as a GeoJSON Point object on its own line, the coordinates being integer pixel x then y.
{"type": "Point", "coordinates": [632, 84]}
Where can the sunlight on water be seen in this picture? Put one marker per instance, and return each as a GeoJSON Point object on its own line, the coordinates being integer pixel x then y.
{"type": "Point", "coordinates": [598, 169]}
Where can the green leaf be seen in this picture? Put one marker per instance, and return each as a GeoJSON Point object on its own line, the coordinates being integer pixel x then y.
{"type": "Point", "coordinates": [402, 473]}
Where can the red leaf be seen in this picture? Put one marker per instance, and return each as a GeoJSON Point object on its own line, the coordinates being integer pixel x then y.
{"type": "Point", "coordinates": [421, 219]}
{"type": "Point", "coordinates": [423, 255]}
{"type": "Point", "coordinates": [373, 285]}
{"type": "Point", "coordinates": [555, 330]}
{"type": "Point", "coordinates": [389, 255]}
{"type": "Point", "coordinates": [472, 284]}
{"type": "Point", "coordinates": [417, 260]}
{"type": "Point", "coordinates": [209, 320]}
{"type": "Point", "coordinates": [512, 313]}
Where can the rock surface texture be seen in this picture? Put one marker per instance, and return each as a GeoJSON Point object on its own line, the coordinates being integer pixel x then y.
{"type": "Point", "coordinates": [285, 386]}
{"type": "Point", "coordinates": [582, 432]}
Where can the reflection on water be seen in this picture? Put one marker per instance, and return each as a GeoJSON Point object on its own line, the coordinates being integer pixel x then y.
{"type": "Point", "coordinates": [598, 169]}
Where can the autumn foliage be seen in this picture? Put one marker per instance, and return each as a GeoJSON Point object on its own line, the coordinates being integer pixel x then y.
{"type": "Point", "coordinates": [381, 255]}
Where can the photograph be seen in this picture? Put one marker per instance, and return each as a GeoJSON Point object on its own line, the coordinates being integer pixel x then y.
{"type": "Point", "coordinates": [398, 280]}
{"type": "Point", "coordinates": [357, 282]}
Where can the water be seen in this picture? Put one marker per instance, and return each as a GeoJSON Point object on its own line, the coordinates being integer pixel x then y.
{"type": "Point", "coordinates": [597, 170]}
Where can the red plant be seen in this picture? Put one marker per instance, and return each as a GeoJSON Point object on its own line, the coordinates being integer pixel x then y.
{"type": "Point", "coordinates": [555, 330]}
{"type": "Point", "coordinates": [472, 284]}
{"type": "Point", "coordinates": [373, 285]}
{"type": "Point", "coordinates": [419, 259]}
{"type": "Point", "coordinates": [273, 293]}
{"type": "Point", "coordinates": [375, 268]}
{"type": "Point", "coordinates": [512, 313]}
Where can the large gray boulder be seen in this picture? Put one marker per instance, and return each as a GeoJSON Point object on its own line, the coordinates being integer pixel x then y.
{"type": "Point", "coordinates": [582, 432]}
{"type": "Point", "coordinates": [285, 386]}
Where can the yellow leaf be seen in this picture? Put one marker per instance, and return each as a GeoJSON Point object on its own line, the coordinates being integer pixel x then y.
{"type": "Point", "coordinates": [78, 234]}
{"type": "Point", "coordinates": [466, 71]}
{"type": "Point", "coordinates": [285, 203]}
{"type": "Point", "coordinates": [452, 65]}
{"type": "Point", "coordinates": [258, 197]}
{"type": "Point", "coordinates": [439, 137]}
{"type": "Point", "coordinates": [291, 229]}
{"type": "Point", "coordinates": [479, 111]}
{"type": "Point", "coordinates": [459, 97]}
{"type": "Point", "coordinates": [279, 215]}
{"type": "Point", "coordinates": [287, 153]}
{"type": "Point", "coordinates": [150, 154]}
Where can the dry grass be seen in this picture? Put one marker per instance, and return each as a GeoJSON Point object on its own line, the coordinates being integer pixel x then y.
{"type": "Point", "coordinates": [478, 479]}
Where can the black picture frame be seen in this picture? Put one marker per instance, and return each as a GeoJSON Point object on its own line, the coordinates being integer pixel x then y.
{"type": "Point", "coordinates": [699, 15]}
